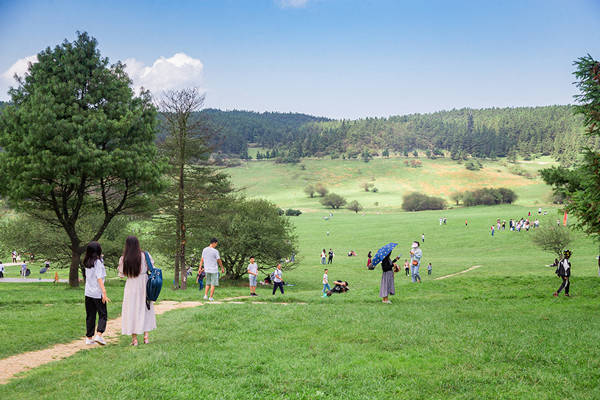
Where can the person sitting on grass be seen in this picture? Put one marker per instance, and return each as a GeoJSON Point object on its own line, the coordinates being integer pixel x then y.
{"type": "Point", "coordinates": [339, 287]}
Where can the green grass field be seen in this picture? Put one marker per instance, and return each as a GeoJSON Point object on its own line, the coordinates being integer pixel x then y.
{"type": "Point", "coordinates": [495, 332]}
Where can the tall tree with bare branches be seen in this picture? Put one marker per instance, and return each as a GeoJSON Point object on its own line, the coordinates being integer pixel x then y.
{"type": "Point", "coordinates": [185, 145]}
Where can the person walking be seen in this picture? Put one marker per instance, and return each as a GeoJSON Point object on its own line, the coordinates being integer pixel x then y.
{"type": "Point", "coordinates": [387, 279]}
{"type": "Point", "coordinates": [211, 260]}
{"type": "Point", "coordinates": [406, 267]}
{"type": "Point", "coordinates": [137, 315]}
{"type": "Point", "coordinates": [14, 256]}
{"type": "Point", "coordinates": [1, 270]}
{"type": "Point", "coordinates": [23, 269]}
{"type": "Point", "coordinates": [278, 279]}
{"type": "Point", "coordinates": [326, 286]}
{"type": "Point", "coordinates": [95, 294]}
{"type": "Point", "coordinates": [323, 257]}
{"type": "Point", "coordinates": [429, 268]}
{"type": "Point", "coordinates": [252, 276]}
{"type": "Point", "coordinates": [492, 230]}
{"type": "Point", "coordinates": [564, 272]}
{"type": "Point", "coordinates": [415, 260]}
{"type": "Point", "coordinates": [330, 259]}
{"type": "Point", "coordinates": [423, 238]}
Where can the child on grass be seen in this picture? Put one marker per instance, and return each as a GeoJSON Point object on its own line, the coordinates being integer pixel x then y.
{"type": "Point", "coordinates": [200, 278]}
{"type": "Point", "coordinates": [252, 276]}
{"type": "Point", "coordinates": [278, 279]}
{"type": "Point", "coordinates": [326, 286]}
{"type": "Point", "coordinates": [429, 268]}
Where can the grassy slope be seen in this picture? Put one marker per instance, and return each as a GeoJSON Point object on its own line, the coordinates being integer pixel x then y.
{"type": "Point", "coordinates": [284, 183]}
{"type": "Point", "coordinates": [495, 332]}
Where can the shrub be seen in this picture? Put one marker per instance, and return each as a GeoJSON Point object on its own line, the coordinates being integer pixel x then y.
{"type": "Point", "coordinates": [419, 201]}
{"type": "Point", "coordinates": [321, 189]}
{"type": "Point", "coordinates": [355, 206]}
{"type": "Point", "coordinates": [471, 166]}
{"type": "Point", "coordinates": [552, 237]}
{"type": "Point", "coordinates": [290, 212]}
{"type": "Point", "coordinates": [366, 186]}
{"type": "Point", "coordinates": [489, 196]}
{"type": "Point", "coordinates": [333, 200]}
{"type": "Point", "coordinates": [310, 191]}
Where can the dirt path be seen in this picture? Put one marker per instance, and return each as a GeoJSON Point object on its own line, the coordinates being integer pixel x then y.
{"type": "Point", "coordinates": [13, 365]}
{"type": "Point", "coordinates": [458, 273]}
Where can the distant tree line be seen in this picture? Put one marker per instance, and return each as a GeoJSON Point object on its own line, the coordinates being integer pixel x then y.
{"type": "Point", "coordinates": [485, 133]}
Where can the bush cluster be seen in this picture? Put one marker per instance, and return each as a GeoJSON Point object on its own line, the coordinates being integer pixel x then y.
{"type": "Point", "coordinates": [290, 212]}
{"type": "Point", "coordinates": [488, 197]}
{"type": "Point", "coordinates": [418, 202]}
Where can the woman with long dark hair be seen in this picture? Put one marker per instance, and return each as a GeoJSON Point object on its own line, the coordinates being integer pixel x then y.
{"type": "Point", "coordinates": [387, 278]}
{"type": "Point", "coordinates": [136, 318]}
{"type": "Point", "coordinates": [95, 293]}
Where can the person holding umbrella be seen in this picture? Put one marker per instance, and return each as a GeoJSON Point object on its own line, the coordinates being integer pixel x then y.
{"type": "Point", "coordinates": [387, 267]}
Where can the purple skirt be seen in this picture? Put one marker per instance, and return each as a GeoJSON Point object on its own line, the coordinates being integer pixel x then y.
{"type": "Point", "coordinates": [387, 284]}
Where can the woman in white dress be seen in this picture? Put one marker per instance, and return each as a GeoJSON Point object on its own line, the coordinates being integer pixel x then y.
{"type": "Point", "coordinates": [136, 317]}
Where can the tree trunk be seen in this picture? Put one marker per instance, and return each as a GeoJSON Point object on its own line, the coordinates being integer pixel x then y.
{"type": "Point", "coordinates": [181, 225]}
{"type": "Point", "coordinates": [75, 263]}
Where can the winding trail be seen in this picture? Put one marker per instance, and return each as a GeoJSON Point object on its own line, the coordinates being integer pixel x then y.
{"type": "Point", "coordinates": [13, 365]}
{"type": "Point", "coordinates": [458, 273]}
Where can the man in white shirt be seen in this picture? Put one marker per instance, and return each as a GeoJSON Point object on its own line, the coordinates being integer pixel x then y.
{"type": "Point", "coordinates": [252, 275]}
{"type": "Point", "coordinates": [210, 259]}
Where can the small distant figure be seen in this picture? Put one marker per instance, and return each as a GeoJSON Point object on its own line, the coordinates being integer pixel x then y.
{"type": "Point", "coordinates": [323, 257]}
{"type": "Point", "coordinates": [429, 268]}
{"type": "Point", "coordinates": [564, 272]}
{"type": "Point", "coordinates": [466, 223]}
{"type": "Point", "coordinates": [504, 225]}
{"type": "Point", "coordinates": [369, 260]}
{"type": "Point", "coordinates": [406, 267]}
{"type": "Point", "coordinates": [55, 277]}
{"type": "Point", "coordinates": [445, 220]}
{"type": "Point", "coordinates": [1, 270]}
{"type": "Point", "coordinates": [540, 210]}
{"type": "Point", "coordinates": [14, 256]}
{"type": "Point", "coordinates": [423, 238]}
{"type": "Point", "coordinates": [326, 286]}
{"type": "Point", "coordinates": [45, 268]}
{"type": "Point", "coordinates": [415, 257]}
{"type": "Point", "coordinates": [252, 276]}
{"type": "Point", "coordinates": [330, 259]}
{"type": "Point", "coordinates": [441, 221]}
{"type": "Point", "coordinates": [492, 230]}
{"type": "Point", "coordinates": [278, 279]}
{"type": "Point", "coordinates": [200, 278]}
{"type": "Point", "coordinates": [351, 253]}
{"type": "Point", "coordinates": [529, 213]}
{"type": "Point", "coordinates": [23, 270]}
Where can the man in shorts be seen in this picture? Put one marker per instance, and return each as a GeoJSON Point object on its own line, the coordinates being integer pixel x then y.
{"type": "Point", "coordinates": [252, 275]}
{"type": "Point", "coordinates": [211, 261]}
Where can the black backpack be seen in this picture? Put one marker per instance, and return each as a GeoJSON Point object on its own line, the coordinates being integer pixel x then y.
{"type": "Point", "coordinates": [154, 283]}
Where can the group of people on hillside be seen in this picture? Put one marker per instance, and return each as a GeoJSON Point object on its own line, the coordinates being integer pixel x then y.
{"type": "Point", "coordinates": [389, 267]}
{"type": "Point", "coordinates": [515, 225]}
{"type": "Point", "coordinates": [327, 257]}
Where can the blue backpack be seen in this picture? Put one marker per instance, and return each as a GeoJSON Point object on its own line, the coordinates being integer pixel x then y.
{"type": "Point", "coordinates": [154, 283]}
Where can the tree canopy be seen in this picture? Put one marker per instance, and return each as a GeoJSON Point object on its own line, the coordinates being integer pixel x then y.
{"type": "Point", "coordinates": [78, 143]}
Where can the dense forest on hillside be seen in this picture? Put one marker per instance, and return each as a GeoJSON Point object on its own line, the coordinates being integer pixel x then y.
{"type": "Point", "coordinates": [459, 133]}
{"type": "Point", "coordinates": [487, 133]}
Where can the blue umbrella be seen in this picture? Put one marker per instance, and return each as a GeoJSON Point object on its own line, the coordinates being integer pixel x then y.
{"type": "Point", "coordinates": [382, 252]}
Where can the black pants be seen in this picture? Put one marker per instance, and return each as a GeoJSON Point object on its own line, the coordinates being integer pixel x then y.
{"type": "Point", "coordinates": [406, 270]}
{"type": "Point", "coordinates": [330, 260]}
{"type": "Point", "coordinates": [277, 285]}
{"type": "Point", "coordinates": [566, 283]}
{"type": "Point", "coordinates": [93, 306]}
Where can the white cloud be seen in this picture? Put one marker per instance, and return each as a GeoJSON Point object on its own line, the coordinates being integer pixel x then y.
{"type": "Point", "coordinates": [7, 78]}
{"type": "Point", "coordinates": [292, 3]}
{"type": "Point", "coordinates": [177, 72]}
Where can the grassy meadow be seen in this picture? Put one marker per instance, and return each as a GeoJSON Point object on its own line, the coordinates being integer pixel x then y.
{"type": "Point", "coordinates": [495, 332]}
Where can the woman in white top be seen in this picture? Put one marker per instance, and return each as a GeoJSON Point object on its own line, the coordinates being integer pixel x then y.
{"type": "Point", "coordinates": [95, 293]}
{"type": "Point", "coordinates": [136, 317]}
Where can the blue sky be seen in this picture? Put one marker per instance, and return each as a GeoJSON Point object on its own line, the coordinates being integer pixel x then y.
{"type": "Point", "coordinates": [337, 58]}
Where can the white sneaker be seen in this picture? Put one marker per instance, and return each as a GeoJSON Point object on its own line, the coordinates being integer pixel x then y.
{"type": "Point", "coordinates": [205, 297]}
{"type": "Point", "coordinates": [99, 340]}
{"type": "Point", "coordinates": [89, 341]}
{"type": "Point", "coordinates": [211, 299]}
